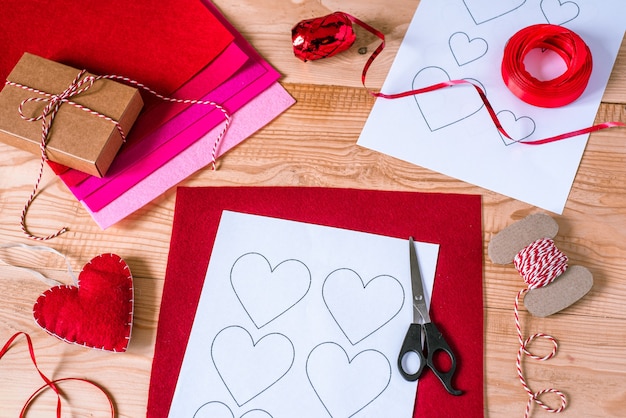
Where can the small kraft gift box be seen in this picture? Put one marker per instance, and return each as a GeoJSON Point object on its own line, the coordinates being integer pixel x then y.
{"type": "Point", "coordinates": [89, 122]}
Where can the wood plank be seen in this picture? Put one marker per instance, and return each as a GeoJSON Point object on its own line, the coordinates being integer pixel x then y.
{"type": "Point", "coordinates": [314, 144]}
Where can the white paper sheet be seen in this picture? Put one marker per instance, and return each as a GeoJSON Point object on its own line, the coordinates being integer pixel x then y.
{"type": "Point", "coordinates": [300, 320]}
{"type": "Point", "coordinates": [450, 131]}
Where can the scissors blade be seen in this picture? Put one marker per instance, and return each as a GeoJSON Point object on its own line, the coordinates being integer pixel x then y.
{"type": "Point", "coordinates": [420, 310]}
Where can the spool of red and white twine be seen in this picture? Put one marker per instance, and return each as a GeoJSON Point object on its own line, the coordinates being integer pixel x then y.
{"type": "Point", "coordinates": [79, 85]}
{"type": "Point", "coordinates": [539, 264]}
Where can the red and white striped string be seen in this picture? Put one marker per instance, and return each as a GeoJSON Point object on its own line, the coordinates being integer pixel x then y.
{"type": "Point", "coordinates": [539, 264]}
{"type": "Point", "coordinates": [79, 85]}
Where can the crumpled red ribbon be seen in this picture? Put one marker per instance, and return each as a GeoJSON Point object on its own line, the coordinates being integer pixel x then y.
{"type": "Point", "coordinates": [325, 36]}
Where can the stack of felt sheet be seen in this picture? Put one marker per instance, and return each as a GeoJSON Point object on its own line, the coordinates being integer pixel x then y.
{"type": "Point", "coordinates": [181, 49]}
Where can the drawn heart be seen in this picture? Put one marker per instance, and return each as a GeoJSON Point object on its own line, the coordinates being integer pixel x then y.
{"type": "Point", "coordinates": [267, 293]}
{"type": "Point", "coordinates": [466, 50]}
{"type": "Point", "coordinates": [485, 10]}
{"type": "Point", "coordinates": [343, 385]}
{"type": "Point", "coordinates": [518, 128]}
{"type": "Point", "coordinates": [248, 368]}
{"type": "Point", "coordinates": [256, 413]}
{"type": "Point", "coordinates": [214, 410]}
{"type": "Point", "coordinates": [446, 106]}
{"type": "Point", "coordinates": [98, 313]}
{"type": "Point", "coordinates": [217, 409]}
{"type": "Point", "coordinates": [558, 12]}
{"type": "Point", "coordinates": [358, 308]}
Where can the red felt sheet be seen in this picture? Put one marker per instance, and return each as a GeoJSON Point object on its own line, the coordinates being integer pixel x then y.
{"type": "Point", "coordinates": [161, 44]}
{"type": "Point", "coordinates": [452, 221]}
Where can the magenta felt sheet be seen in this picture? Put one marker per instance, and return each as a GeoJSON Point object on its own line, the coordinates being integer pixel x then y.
{"type": "Point", "coordinates": [154, 116]}
{"type": "Point", "coordinates": [247, 120]}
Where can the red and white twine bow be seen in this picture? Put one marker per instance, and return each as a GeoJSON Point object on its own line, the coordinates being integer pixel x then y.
{"type": "Point", "coordinates": [80, 84]}
{"type": "Point", "coordinates": [539, 264]}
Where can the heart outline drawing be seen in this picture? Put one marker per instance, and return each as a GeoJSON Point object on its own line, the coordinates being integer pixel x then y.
{"type": "Point", "coordinates": [346, 385]}
{"type": "Point", "coordinates": [511, 123]}
{"type": "Point", "coordinates": [360, 309]}
{"type": "Point", "coordinates": [434, 105]}
{"type": "Point", "coordinates": [465, 49]}
{"type": "Point", "coordinates": [217, 409]}
{"type": "Point", "coordinates": [483, 11]}
{"type": "Point", "coordinates": [559, 12]}
{"type": "Point", "coordinates": [248, 368]}
{"type": "Point", "coordinates": [266, 293]}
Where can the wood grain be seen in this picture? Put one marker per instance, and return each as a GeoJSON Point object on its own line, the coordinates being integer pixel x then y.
{"type": "Point", "coordinates": [314, 144]}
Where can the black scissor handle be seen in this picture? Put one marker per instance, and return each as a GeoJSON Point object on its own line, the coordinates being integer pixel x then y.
{"type": "Point", "coordinates": [435, 342]}
{"type": "Point", "coordinates": [412, 344]}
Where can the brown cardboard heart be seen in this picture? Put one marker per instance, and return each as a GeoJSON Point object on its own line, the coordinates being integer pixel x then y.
{"type": "Point", "coordinates": [507, 243]}
{"type": "Point", "coordinates": [566, 289]}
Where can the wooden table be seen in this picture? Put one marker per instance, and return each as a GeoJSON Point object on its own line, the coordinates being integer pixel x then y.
{"type": "Point", "coordinates": [313, 144]}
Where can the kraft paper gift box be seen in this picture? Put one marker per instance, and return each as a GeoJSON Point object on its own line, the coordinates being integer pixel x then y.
{"type": "Point", "coordinates": [77, 138]}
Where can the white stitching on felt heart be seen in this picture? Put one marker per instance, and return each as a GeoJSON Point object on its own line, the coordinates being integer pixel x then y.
{"type": "Point", "coordinates": [128, 324]}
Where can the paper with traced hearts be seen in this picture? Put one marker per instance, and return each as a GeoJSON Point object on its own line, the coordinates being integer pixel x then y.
{"type": "Point", "coordinates": [451, 133]}
{"type": "Point", "coordinates": [98, 313]}
{"type": "Point", "coordinates": [300, 320]}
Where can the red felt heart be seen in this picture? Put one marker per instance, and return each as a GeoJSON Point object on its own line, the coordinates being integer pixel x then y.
{"type": "Point", "coordinates": [98, 313]}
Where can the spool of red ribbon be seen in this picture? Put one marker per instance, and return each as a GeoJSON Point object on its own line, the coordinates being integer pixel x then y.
{"type": "Point", "coordinates": [559, 91]}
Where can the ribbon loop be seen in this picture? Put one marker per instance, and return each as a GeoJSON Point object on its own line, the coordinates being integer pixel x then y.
{"type": "Point", "coordinates": [48, 383]}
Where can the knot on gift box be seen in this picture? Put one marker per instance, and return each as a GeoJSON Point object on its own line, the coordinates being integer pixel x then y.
{"type": "Point", "coordinates": [79, 85]}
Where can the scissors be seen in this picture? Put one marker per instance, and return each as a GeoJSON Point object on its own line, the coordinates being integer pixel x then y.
{"type": "Point", "coordinates": [433, 341]}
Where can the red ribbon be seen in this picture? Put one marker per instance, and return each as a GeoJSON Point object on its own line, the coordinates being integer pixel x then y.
{"type": "Point", "coordinates": [559, 91]}
{"type": "Point", "coordinates": [51, 384]}
{"type": "Point", "coordinates": [552, 93]}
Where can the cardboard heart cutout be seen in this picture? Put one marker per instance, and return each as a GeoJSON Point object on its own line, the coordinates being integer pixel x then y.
{"type": "Point", "coordinates": [98, 312]}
